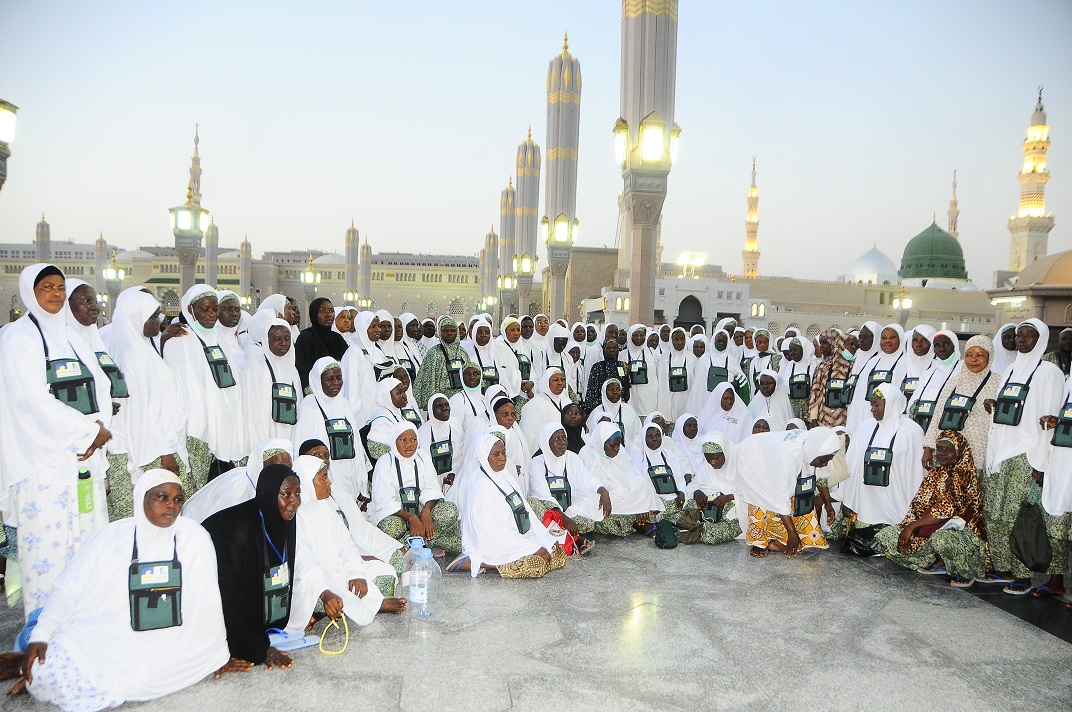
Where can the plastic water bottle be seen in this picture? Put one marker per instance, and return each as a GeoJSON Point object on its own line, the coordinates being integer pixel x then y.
{"type": "Point", "coordinates": [85, 491]}
{"type": "Point", "coordinates": [414, 543]}
{"type": "Point", "coordinates": [424, 578]}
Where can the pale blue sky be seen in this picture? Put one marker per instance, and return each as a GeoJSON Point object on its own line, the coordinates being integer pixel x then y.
{"type": "Point", "coordinates": [405, 116]}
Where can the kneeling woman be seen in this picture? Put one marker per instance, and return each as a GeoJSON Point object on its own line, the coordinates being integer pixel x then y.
{"type": "Point", "coordinates": [712, 489]}
{"type": "Point", "coordinates": [109, 634]}
{"type": "Point", "coordinates": [407, 499]}
{"type": "Point", "coordinates": [499, 529]}
{"type": "Point", "coordinates": [931, 539]}
{"type": "Point", "coordinates": [260, 577]}
{"type": "Point", "coordinates": [632, 494]}
{"type": "Point", "coordinates": [776, 479]}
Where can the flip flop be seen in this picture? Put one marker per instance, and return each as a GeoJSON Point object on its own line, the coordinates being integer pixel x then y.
{"type": "Point", "coordinates": [453, 566]}
{"type": "Point", "coordinates": [1017, 589]}
{"type": "Point", "coordinates": [932, 570]}
{"type": "Point", "coordinates": [994, 577]}
{"type": "Point", "coordinates": [587, 548]}
{"type": "Point", "coordinates": [961, 582]}
{"type": "Point", "coordinates": [1044, 590]}
{"type": "Point", "coordinates": [761, 553]}
{"type": "Point", "coordinates": [284, 643]}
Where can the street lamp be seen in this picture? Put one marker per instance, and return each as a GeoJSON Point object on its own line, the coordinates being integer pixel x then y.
{"type": "Point", "coordinates": [310, 277]}
{"type": "Point", "coordinates": [113, 280]}
{"type": "Point", "coordinates": [245, 301]}
{"type": "Point", "coordinates": [7, 135]}
{"type": "Point", "coordinates": [350, 296]}
{"type": "Point", "coordinates": [902, 305]}
{"type": "Point", "coordinates": [621, 141]}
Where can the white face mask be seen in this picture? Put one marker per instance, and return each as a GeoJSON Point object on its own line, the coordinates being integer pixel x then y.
{"type": "Point", "coordinates": [948, 361]}
{"type": "Point", "coordinates": [848, 355]}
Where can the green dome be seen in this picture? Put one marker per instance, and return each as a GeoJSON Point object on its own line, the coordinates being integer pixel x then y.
{"type": "Point", "coordinates": [933, 254]}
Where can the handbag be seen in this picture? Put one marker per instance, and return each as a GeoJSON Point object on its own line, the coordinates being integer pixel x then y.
{"type": "Point", "coordinates": [860, 541]}
{"type": "Point", "coordinates": [690, 526]}
{"type": "Point", "coordinates": [1028, 540]}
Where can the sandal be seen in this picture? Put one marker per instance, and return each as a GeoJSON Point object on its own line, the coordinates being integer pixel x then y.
{"type": "Point", "coordinates": [757, 553]}
{"type": "Point", "coordinates": [1017, 589]}
{"type": "Point", "coordinates": [455, 565]}
{"type": "Point", "coordinates": [994, 577]}
{"type": "Point", "coordinates": [1044, 590]}
{"type": "Point", "coordinates": [932, 570]}
{"type": "Point", "coordinates": [584, 546]}
{"type": "Point", "coordinates": [961, 582]}
{"type": "Point", "coordinates": [647, 530]}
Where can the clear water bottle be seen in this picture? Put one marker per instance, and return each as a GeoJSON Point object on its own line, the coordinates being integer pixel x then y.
{"type": "Point", "coordinates": [414, 543]}
{"type": "Point", "coordinates": [423, 584]}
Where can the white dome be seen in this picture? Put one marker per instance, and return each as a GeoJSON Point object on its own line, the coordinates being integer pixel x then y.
{"type": "Point", "coordinates": [229, 255]}
{"type": "Point", "coordinates": [873, 267]}
{"type": "Point", "coordinates": [134, 255]}
{"type": "Point", "coordinates": [330, 258]}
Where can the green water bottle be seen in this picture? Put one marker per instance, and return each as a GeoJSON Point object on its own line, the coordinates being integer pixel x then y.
{"type": "Point", "coordinates": [85, 491]}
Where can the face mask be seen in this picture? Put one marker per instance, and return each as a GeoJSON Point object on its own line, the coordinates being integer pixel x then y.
{"type": "Point", "coordinates": [948, 361]}
{"type": "Point", "coordinates": [848, 355]}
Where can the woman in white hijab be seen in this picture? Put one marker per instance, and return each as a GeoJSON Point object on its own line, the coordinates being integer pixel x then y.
{"type": "Point", "coordinates": [366, 586]}
{"type": "Point", "coordinates": [541, 327]}
{"type": "Point", "coordinates": [392, 407]}
{"type": "Point", "coordinates": [443, 439]}
{"type": "Point", "coordinates": [272, 389]}
{"type": "Point", "coordinates": [1018, 455]}
{"type": "Point", "coordinates": [686, 432]}
{"type": "Point", "coordinates": [406, 497]}
{"type": "Point", "coordinates": [556, 353]}
{"type": "Point", "coordinates": [676, 377]}
{"type": "Point", "coordinates": [713, 490]}
{"type": "Point", "coordinates": [667, 473]}
{"type": "Point", "coordinates": [519, 355]}
{"type": "Point", "coordinates": [154, 420]}
{"type": "Point", "coordinates": [726, 413]}
{"type": "Point", "coordinates": [719, 364]}
{"type": "Point", "coordinates": [918, 348]}
{"type": "Point", "coordinates": [622, 414]}
{"type": "Point", "coordinates": [210, 386]}
{"type": "Point", "coordinates": [106, 636]}
{"type": "Point", "coordinates": [771, 400]}
{"type": "Point", "coordinates": [867, 340]}
{"type": "Point", "coordinates": [229, 326]}
{"type": "Point", "coordinates": [344, 324]}
{"type": "Point", "coordinates": [546, 407]}
{"type": "Point", "coordinates": [796, 373]}
{"type": "Point", "coordinates": [387, 333]}
{"type": "Point", "coordinates": [884, 459]}
{"type": "Point", "coordinates": [493, 358]}
{"type": "Point", "coordinates": [645, 375]}
{"type": "Point", "coordinates": [1004, 348]}
{"type": "Point", "coordinates": [499, 528]}
{"type": "Point", "coordinates": [326, 415]}
{"type": "Point", "coordinates": [632, 494]}
{"type": "Point", "coordinates": [363, 365]}
{"type": "Point", "coordinates": [240, 484]}
{"type": "Point", "coordinates": [559, 480]}
{"type": "Point", "coordinates": [887, 365]}
{"type": "Point", "coordinates": [945, 364]}
{"type": "Point", "coordinates": [53, 425]}
{"type": "Point", "coordinates": [468, 405]}
{"type": "Point", "coordinates": [776, 475]}
{"type": "Point", "coordinates": [407, 349]}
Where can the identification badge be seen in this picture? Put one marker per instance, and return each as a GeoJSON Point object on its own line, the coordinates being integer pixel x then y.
{"type": "Point", "coordinates": [880, 376]}
{"type": "Point", "coordinates": [104, 359]}
{"type": "Point", "coordinates": [155, 575]}
{"type": "Point", "coordinates": [285, 391]}
{"type": "Point", "coordinates": [515, 501]}
{"type": "Point", "coordinates": [68, 369]}
{"type": "Point", "coordinates": [441, 448]}
{"type": "Point", "coordinates": [1066, 412]}
{"type": "Point", "coordinates": [339, 425]}
{"type": "Point", "coordinates": [657, 470]}
{"type": "Point", "coordinates": [621, 371]}
{"type": "Point", "coordinates": [556, 482]}
{"type": "Point", "coordinates": [634, 366]}
{"type": "Point", "coordinates": [959, 401]}
{"type": "Point", "coordinates": [409, 495]}
{"type": "Point", "coordinates": [456, 364]}
{"type": "Point", "coordinates": [1011, 391]}
{"type": "Point", "coordinates": [280, 575]}
{"type": "Point", "coordinates": [925, 408]}
{"type": "Point", "coordinates": [677, 372]}
{"type": "Point", "coordinates": [837, 383]}
{"type": "Point", "coordinates": [215, 353]}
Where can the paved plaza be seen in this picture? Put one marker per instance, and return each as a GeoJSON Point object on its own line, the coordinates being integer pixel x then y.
{"type": "Point", "coordinates": [698, 627]}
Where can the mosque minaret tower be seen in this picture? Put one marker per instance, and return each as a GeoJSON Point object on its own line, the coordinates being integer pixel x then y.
{"type": "Point", "coordinates": [212, 254]}
{"type": "Point", "coordinates": [751, 230]}
{"type": "Point", "coordinates": [43, 241]}
{"type": "Point", "coordinates": [353, 248]}
{"type": "Point", "coordinates": [1030, 227]}
{"type": "Point", "coordinates": [527, 212]}
{"type": "Point", "coordinates": [954, 210]}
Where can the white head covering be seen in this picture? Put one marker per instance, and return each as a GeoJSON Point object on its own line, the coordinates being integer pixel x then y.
{"type": "Point", "coordinates": [275, 303]}
{"type": "Point", "coordinates": [708, 479]}
{"type": "Point", "coordinates": [735, 423]}
{"type": "Point", "coordinates": [1002, 358]}
{"type": "Point", "coordinates": [777, 407]}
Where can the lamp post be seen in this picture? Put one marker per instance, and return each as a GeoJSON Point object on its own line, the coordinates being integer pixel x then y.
{"type": "Point", "coordinates": [524, 267]}
{"type": "Point", "coordinates": [102, 302]}
{"type": "Point", "coordinates": [507, 294]}
{"type": "Point", "coordinates": [350, 296]}
{"type": "Point", "coordinates": [7, 135]}
{"type": "Point", "coordinates": [188, 224]}
{"type": "Point", "coordinates": [113, 279]}
{"type": "Point", "coordinates": [559, 238]}
{"type": "Point", "coordinates": [902, 305]}
{"type": "Point", "coordinates": [310, 278]}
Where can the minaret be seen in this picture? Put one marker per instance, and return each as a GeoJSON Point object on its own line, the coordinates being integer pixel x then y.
{"type": "Point", "coordinates": [563, 138]}
{"type": "Point", "coordinates": [364, 286]}
{"type": "Point", "coordinates": [954, 211]}
{"type": "Point", "coordinates": [100, 261]}
{"type": "Point", "coordinates": [195, 170]}
{"type": "Point", "coordinates": [491, 263]}
{"type": "Point", "coordinates": [245, 267]}
{"type": "Point", "coordinates": [353, 247]}
{"type": "Point", "coordinates": [507, 225]}
{"type": "Point", "coordinates": [751, 229]}
{"type": "Point", "coordinates": [43, 241]}
{"type": "Point", "coordinates": [212, 255]}
{"type": "Point", "coordinates": [527, 211]}
{"type": "Point", "coordinates": [1030, 227]}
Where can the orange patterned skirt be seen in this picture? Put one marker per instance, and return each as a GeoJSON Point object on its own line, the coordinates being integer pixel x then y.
{"type": "Point", "coordinates": [765, 526]}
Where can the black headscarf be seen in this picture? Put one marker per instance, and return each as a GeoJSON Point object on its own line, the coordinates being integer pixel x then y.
{"type": "Point", "coordinates": [316, 342]}
{"type": "Point", "coordinates": [574, 434]}
{"type": "Point", "coordinates": [238, 536]}
{"type": "Point", "coordinates": [309, 445]}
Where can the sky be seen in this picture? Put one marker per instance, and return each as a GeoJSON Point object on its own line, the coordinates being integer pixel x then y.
{"type": "Point", "coordinates": [405, 118]}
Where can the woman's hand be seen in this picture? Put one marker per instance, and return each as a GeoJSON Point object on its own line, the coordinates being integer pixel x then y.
{"type": "Point", "coordinates": [34, 653]}
{"type": "Point", "coordinates": [793, 543]}
{"type": "Point", "coordinates": [170, 463]}
{"type": "Point", "coordinates": [723, 500]}
{"type": "Point", "coordinates": [928, 458]}
{"type": "Point", "coordinates": [103, 436]}
{"type": "Point", "coordinates": [1048, 422]}
{"type": "Point", "coordinates": [990, 404]}
{"type": "Point", "coordinates": [570, 525]}
{"type": "Point", "coordinates": [234, 665]}
{"type": "Point", "coordinates": [426, 520]}
{"type": "Point", "coordinates": [905, 539]}
{"type": "Point", "coordinates": [416, 526]}
{"type": "Point", "coordinates": [604, 501]}
{"type": "Point", "coordinates": [280, 659]}
{"type": "Point", "coordinates": [680, 500]}
{"type": "Point", "coordinates": [332, 604]}
{"type": "Point", "coordinates": [700, 498]}
{"type": "Point", "coordinates": [358, 587]}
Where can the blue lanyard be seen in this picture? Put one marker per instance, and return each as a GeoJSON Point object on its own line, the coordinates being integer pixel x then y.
{"type": "Point", "coordinates": [282, 557]}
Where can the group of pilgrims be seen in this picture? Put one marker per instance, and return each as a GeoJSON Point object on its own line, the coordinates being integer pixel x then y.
{"type": "Point", "coordinates": [181, 488]}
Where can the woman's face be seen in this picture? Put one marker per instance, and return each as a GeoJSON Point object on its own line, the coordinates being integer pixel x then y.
{"type": "Point", "coordinates": [852, 344]}
{"type": "Point", "coordinates": [325, 314]}
{"type": "Point", "coordinates": [513, 333]}
{"type": "Point", "coordinates": [890, 341]}
{"type": "Point", "coordinates": [291, 314]}
{"type": "Point", "coordinates": [319, 451]}
{"type": "Point", "coordinates": [767, 385]}
{"type": "Point", "coordinates": [398, 330]}
{"type": "Point", "coordinates": [664, 332]}
{"type": "Point", "coordinates": [483, 335]}
{"type": "Point", "coordinates": [387, 329]}
{"type": "Point", "coordinates": [678, 340]}
{"type": "Point", "coordinates": [698, 348]}
{"type": "Point", "coordinates": [638, 338]}
{"type": "Point", "coordinates": [878, 408]}
{"type": "Point", "coordinates": [162, 504]}
{"type": "Point", "coordinates": [1008, 339]}
{"type": "Point", "coordinates": [689, 428]}
{"type": "Point", "coordinates": [572, 416]}
{"type": "Point", "coordinates": [289, 498]}
{"type": "Point", "coordinates": [497, 457]}
{"type": "Point", "coordinates": [715, 459]}
{"type": "Point", "coordinates": [448, 333]}
{"type": "Point", "coordinates": [542, 325]}
{"type": "Point", "coordinates": [406, 443]}
{"type": "Point", "coordinates": [920, 345]}
{"type": "Point", "coordinates": [610, 350]}
{"type": "Point", "coordinates": [557, 443]}
{"type": "Point", "coordinates": [720, 341]}
{"type": "Point", "coordinates": [653, 340]}
{"type": "Point", "coordinates": [591, 333]}
{"type": "Point", "coordinates": [727, 400]}
{"type": "Point", "coordinates": [462, 331]}
{"type": "Point", "coordinates": [413, 329]}
{"type": "Point", "coordinates": [526, 328]}
{"type": "Point", "coordinates": [738, 338]}
{"type": "Point", "coordinates": [331, 381]}
{"type": "Point", "coordinates": [762, 343]}
{"type": "Point", "coordinates": [471, 376]}
{"type": "Point", "coordinates": [579, 334]}
{"type": "Point", "coordinates": [1026, 338]}
{"type": "Point", "coordinates": [761, 426]}
{"type": "Point", "coordinates": [373, 330]}
{"type": "Point", "coordinates": [976, 359]}
{"type": "Point", "coordinates": [205, 311]}
{"type": "Point", "coordinates": [403, 375]}
{"type": "Point", "coordinates": [825, 347]}
{"type": "Point", "coordinates": [653, 438]}
{"type": "Point", "coordinates": [279, 340]}
{"type": "Point", "coordinates": [441, 409]}
{"type": "Point", "coordinates": [943, 346]}
{"type": "Point", "coordinates": [867, 339]}
{"type": "Point", "coordinates": [614, 392]}
{"type": "Point", "coordinates": [151, 328]}
{"type": "Point", "coordinates": [505, 415]}
{"type": "Point", "coordinates": [84, 305]}
{"type": "Point", "coordinates": [612, 446]}
{"type": "Point", "coordinates": [428, 330]}
{"type": "Point", "coordinates": [343, 322]}
{"type": "Point", "coordinates": [945, 453]}
{"type": "Point", "coordinates": [230, 313]}
{"type": "Point", "coordinates": [559, 344]}
{"type": "Point", "coordinates": [795, 352]}
{"type": "Point", "coordinates": [51, 293]}
{"type": "Point", "coordinates": [398, 396]}
{"type": "Point", "coordinates": [557, 383]}
{"type": "Point", "coordinates": [749, 342]}
{"type": "Point", "coordinates": [322, 483]}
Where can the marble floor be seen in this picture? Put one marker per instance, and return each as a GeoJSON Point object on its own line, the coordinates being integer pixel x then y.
{"type": "Point", "coordinates": [696, 628]}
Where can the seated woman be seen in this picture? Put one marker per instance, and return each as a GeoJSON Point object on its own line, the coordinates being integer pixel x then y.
{"type": "Point", "coordinates": [943, 531]}
{"type": "Point", "coordinates": [393, 407]}
{"type": "Point", "coordinates": [499, 528]}
{"type": "Point", "coordinates": [631, 492]}
{"type": "Point", "coordinates": [237, 485]}
{"type": "Point", "coordinates": [559, 480]}
{"type": "Point", "coordinates": [761, 425]}
{"type": "Point", "coordinates": [614, 408]}
{"type": "Point", "coordinates": [576, 430]}
{"type": "Point", "coordinates": [669, 475]}
{"type": "Point", "coordinates": [545, 407]}
{"type": "Point", "coordinates": [261, 579]}
{"type": "Point", "coordinates": [726, 413]}
{"type": "Point", "coordinates": [106, 636]}
{"type": "Point", "coordinates": [776, 479]}
{"type": "Point", "coordinates": [406, 497]}
{"type": "Point", "coordinates": [712, 489]}
{"type": "Point", "coordinates": [442, 439]}
{"type": "Point", "coordinates": [322, 537]}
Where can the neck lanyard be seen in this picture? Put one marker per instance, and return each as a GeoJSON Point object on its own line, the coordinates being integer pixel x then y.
{"type": "Point", "coordinates": [661, 454]}
{"type": "Point", "coordinates": [282, 557]}
{"type": "Point", "coordinates": [416, 476]}
{"type": "Point", "coordinates": [271, 372]}
{"type": "Point", "coordinates": [875, 432]}
{"type": "Point", "coordinates": [501, 490]}
{"type": "Point", "coordinates": [981, 385]}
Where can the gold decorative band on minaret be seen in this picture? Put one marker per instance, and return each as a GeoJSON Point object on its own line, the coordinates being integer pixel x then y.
{"type": "Point", "coordinates": [635, 8]}
{"type": "Point", "coordinates": [523, 171]}
{"type": "Point", "coordinates": [563, 97]}
{"type": "Point", "coordinates": [525, 211]}
{"type": "Point", "coordinates": [561, 154]}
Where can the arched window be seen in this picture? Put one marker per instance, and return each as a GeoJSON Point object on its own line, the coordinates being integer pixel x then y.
{"type": "Point", "coordinates": [432, 309]}
{"type": "Point", "coordinates": [456, 308]}
{"type": "Point", "coordinates": [813, 330]}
